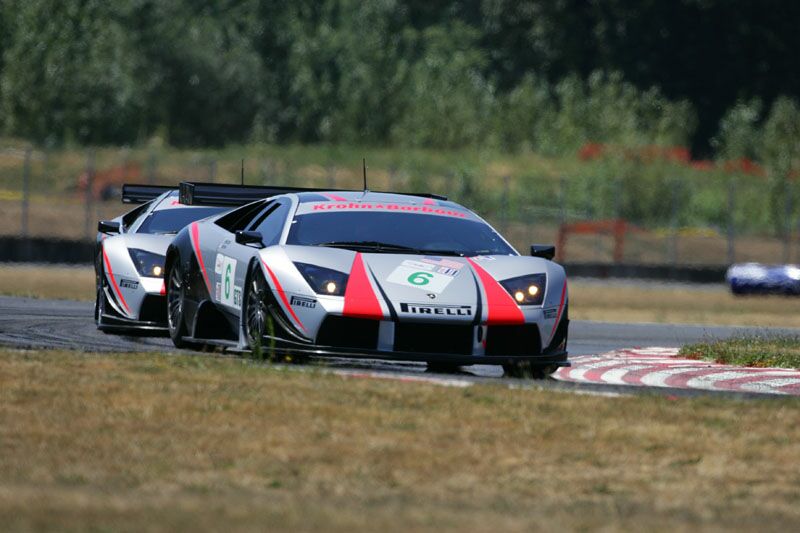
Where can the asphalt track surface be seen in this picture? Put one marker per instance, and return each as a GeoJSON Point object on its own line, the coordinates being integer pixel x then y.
{"type": "Point", "coordinates": [63, 324]}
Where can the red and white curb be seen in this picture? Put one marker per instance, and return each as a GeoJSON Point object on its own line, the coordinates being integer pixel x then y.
{"type": "Point", "coordinates": [660, 367]}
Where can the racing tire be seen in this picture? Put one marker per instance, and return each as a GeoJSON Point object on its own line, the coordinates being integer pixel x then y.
{"type": "Point", "coordinates": [528, 371]}
{"type": "Point", "coordinates": [255, 312]}
{"type": "Point", "coordinates": [100, 304]}
{"type": "Point", "coordinates": [257, 321]}
{"type": "Point", "coordinates": [176, 324]}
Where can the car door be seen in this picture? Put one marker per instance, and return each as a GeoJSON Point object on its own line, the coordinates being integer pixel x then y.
{"type": "Point", "coordinates": [233, 258]}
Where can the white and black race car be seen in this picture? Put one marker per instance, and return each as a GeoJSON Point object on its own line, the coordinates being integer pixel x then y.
{"type": "Point", "coordinates": [362, 274]}
{"type": "Point", "coordinates": [129, 258]}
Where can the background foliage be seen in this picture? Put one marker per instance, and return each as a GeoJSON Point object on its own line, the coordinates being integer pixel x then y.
{"type": "Point", "coordinates": [536, 75]}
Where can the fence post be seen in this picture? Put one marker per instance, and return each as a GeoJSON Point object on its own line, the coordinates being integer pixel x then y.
{"type": "Point", "coordinates": [562, 200]}
{"type": "Point", "coordinates": [212, 171]}
{"type": "Point", "coordinates": [151, 168]}
{"type": "Point", "coordinates": [731, 221]}
{"type": "Point", "coordinates": [673, 245]}
{"type": "Point", "coordinates": [331, 177]}
{"type": "Point", "coordinates": [26, 189]}
{"type": "Point", "coordinates": [87, 227]}
{"type": "Point", "coordinates": [504, 204]}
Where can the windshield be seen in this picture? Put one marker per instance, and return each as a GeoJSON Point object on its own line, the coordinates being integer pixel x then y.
{"type": "Point", "coordinates": [412, 232]}
{"type": "Point", "coordinates": [173, 220]}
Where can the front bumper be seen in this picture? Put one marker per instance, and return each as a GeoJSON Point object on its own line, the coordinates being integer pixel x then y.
{"type": "Point", "coordinates": [150, 310]}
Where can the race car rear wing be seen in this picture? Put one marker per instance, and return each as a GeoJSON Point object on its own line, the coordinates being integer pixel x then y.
{"type": "Point", "coordinates": [192, 193]}
{"type": "Point", "coordinates": [133, 193]}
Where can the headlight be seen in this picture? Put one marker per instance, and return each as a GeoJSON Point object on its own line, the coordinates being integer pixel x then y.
{"type": "Point", "coordinates": [148, 264]}
{"type": "Point", "coordinates": [526, 290]}
{"type": "Point", "coordinates": [323, 280]}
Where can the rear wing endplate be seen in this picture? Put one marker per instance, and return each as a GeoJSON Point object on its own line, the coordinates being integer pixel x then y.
{"type": "Point", "coordinates": [133, 193]}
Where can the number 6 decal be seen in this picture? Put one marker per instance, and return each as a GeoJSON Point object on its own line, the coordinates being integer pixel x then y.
{"type": "Point", "coordinates": [420, 278]}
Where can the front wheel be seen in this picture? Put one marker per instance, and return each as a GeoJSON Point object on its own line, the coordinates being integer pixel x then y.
{"type": "Point", "coordinates": [175, 305]}
{"type": "Point", "coordinates": [260, 329]}
{"type": "Point", "coordinates": [255, 312]}
{"type": "Point", "coordinates": [100, 303]}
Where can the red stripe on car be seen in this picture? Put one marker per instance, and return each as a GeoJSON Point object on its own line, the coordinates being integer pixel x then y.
{"type": "Point", "coordinates": [282, 295]}
{"type": "Point", "coordinates": [114, 281]}
{"type": "Point", "coordinates": [334, 197]}
{"type": "Point", "coordinates": [360, 300]}
{"type": "Point", "coordinates": [429, 201]}
{"type": "Point", "coordinates": [500, 306]}
{"type": "Point", "coordinates": [195, 232]}
{"type": "Point", "coordinates": [560, 309]}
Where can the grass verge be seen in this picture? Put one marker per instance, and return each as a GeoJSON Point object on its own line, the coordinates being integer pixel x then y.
{"type": "Point", "coordinates": [51, 282]}
{"type": "Point", "coordinates": [616, 301]}
{"type": "Point", "coordinates": [766, 352]}
{"type": "Point", "coordinates": [152, 442]}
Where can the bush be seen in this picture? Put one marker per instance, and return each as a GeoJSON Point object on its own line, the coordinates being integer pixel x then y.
{"type": "Point", "coordinates": [449, 102]}
{"type": "Point", "coordinates": [603, 109]}
{"type": "Point", "coordinates": [76, 81]}
{"type": "Point", "coordinates": [739, 135]}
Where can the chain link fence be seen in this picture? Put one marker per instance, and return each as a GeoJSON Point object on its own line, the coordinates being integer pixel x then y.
{"type": "Point", "coordinates": [702, 219]}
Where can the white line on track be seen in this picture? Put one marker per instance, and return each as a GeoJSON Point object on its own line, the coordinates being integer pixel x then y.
{"type": "Point", "coordinates": [660, 377]}
{"type": "Point", "coordinates": [770, 385]}
{"type": "Point", "coordinates": [614, 376]}
{"type": "Point", "coordinates": [710, 380]}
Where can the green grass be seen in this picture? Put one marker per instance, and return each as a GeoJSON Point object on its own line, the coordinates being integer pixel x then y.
{"type": "Point", "coordinates": [152, 442]}
{"type": "Point", "coordinates": [754, 351]}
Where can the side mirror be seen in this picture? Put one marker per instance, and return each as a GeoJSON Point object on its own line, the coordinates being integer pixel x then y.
{"type": "Point", "coordinates": [107, 226]}
{"type": "Point", "coordinates": [249, 237]}
{"type": "Point", "coordinates": [545, 251]}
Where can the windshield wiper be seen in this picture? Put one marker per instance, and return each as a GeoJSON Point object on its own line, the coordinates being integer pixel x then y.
{"type": "Point", "coordinates": [369, 245]}
{"type": "Point", "coordinates": [375, 246]}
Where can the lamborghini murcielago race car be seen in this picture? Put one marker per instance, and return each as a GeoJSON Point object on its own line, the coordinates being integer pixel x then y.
{"type": "Point", "coordinates": [129, 258]}
{"type": "Point", "coordinates": [362, 274]}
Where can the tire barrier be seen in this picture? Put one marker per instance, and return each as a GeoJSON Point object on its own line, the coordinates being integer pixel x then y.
{"type": "Point", "coordinates": [39, 250]}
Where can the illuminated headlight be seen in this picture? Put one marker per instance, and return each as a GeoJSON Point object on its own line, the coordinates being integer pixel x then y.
{"type": "Point", "coordinates": [147, 264]}
{"type": "Point", "coordinates": [323, 280]}
{"type": "Point", "coordinates": [526, 290]}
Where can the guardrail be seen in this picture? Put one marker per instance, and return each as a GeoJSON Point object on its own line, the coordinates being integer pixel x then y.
{"type": "Point", "coordinates": [41, 250]}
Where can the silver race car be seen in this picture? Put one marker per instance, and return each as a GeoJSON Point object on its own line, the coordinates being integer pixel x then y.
{"type": "Point", "coordinates": [129, 258]}
{"type": "Point", "coordinates": [362, 274]}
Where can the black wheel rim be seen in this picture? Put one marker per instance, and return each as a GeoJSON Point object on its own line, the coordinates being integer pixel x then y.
{"type": "Point", "coordinates": [256, 311]}
{"type": "Point", "coordinates": [174, 301]}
